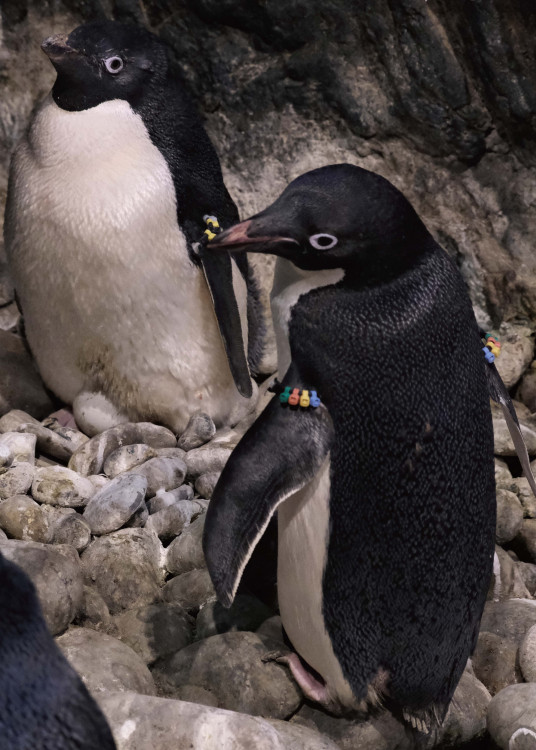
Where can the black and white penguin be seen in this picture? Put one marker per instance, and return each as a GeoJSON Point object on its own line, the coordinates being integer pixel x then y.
{"type": "Point", "coordinates": [107, 196]}
{"type": "Point", "coordinates": [384, 490]}
{"type": "Point", "coordinates": [44, 705]}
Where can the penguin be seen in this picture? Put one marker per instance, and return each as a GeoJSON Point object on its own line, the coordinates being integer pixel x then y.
{"type": "Point", "coordinates": [377, 452]}
{"type": "Point", "coordinates": [44, 705]}
{"type": "Point", "coordinates": [109, 191]}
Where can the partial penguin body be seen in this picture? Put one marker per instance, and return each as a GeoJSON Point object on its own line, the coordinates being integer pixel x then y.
{"type": "Point", "coordinates": [104, 208]}
{"type": "Point", "coordinates": [44, 704]}
{"type": "Point", "coordinates": [385, 493]}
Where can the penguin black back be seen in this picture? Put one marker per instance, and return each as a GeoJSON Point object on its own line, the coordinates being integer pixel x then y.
{"type": "Point", "coordinates": [44, 704]}
{"type": "Point", "coordinates": [391, 345]}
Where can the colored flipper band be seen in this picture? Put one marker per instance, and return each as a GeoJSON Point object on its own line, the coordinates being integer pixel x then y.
{"type": "Point", "coordinates": [492, 347]}
{"type": "Point", "coordinates": [213, 226]}
{"type": "Point", "coordinates": [295, 397]}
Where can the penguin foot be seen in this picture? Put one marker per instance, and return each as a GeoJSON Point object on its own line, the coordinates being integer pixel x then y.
{"type": "Point", "coordinates": [311, 687]}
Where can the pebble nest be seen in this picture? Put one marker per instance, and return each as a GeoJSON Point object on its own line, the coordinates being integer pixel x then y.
{"type": "Point", "coordinates": [109, 529]}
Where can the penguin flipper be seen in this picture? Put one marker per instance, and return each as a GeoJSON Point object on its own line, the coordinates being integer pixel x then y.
{"type": "Point", "coordinates": [280, 454]}
{"type": "Point", "coordinates": [499, 394]}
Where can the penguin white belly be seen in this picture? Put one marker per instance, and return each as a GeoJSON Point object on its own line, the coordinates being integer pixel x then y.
{"type": "Point", "coordinates": [110, 298]}
{"type": "Point", "coordinates": [303, 530]}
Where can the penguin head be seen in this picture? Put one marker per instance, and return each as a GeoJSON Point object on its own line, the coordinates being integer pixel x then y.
{"type": "Point", "coordinates": [339, 216]}
{"type": "Point", "coordinates": [104, 60]}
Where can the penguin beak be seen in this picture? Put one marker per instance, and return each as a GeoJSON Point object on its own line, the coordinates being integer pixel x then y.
{"type": "Point", "coordinates": [241, 237]}
{"type": "Point", "coordinates": [57, 49]}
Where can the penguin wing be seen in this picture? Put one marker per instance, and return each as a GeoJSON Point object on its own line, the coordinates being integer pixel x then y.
{"type": "Point", "coordinates": [280, 453]}
{"type": "Point", "coordinates": [499, 394]}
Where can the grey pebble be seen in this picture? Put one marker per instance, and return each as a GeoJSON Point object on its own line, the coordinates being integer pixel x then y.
{"type": "Point", "coordinates": [104, 662]}
{"type": "Point", "coordinates": [199, 430]}
{"type": "Point", "coordinates": [11, 421]}
{"type": "Point", "coordinates": [73, 530]}
{"type": "Point", "coordinates": [206, 483]}
{"type": "Point", "coordinates": [169, 522]}
{"type": "Point", "coordinates": [21, 445]}
{"type": "Point", "coordinates": [527, 655]}
{"type": "Point", "coordinates": [52, 443]}
{"type": "Point", "coordinates": [206, 459]}
{"type": "Point", "coordinates": [127, 457]}
{"type": "Point", "coordinates": [89, 459]}
{"type": "Point", "coordinates": [509, 516]}
{"type": "Point", "coordinates": [512, 717]}
{"type": "Point", "coordinates": [163, 499]}
{"type": "Point", "coordinates": [162, 474]}
{"type": "Point", "coordinates": [191, 590]}
{"type": "Point", "coordinates": [113, 505]}
{"type": "Point", "coordinates": [245, 613]}
{"type": "Point", "coordinates": [186, 551]}
{"type": "Point", "coordinates": [22, 518]}
{"type": "Point", "coordinates": [156, 630]}
{"type": "Point", "coordinates": [57, 485]}
{"type": "Point", "coordinates": [16, 480]}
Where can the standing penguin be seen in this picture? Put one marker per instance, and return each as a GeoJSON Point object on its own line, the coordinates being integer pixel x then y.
{"type": "Point", "coordinates": [107, 196]}
{"type": "Point", "coordinates": [385, 489]}
{"type": "Point", "coordinates": [44, 705]}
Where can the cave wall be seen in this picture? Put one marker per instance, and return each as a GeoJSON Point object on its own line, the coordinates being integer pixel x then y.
{"type": "Point", "coordinates": [438, 96]}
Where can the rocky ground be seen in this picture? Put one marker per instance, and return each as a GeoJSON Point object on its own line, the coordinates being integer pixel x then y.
{"type": "Point", "coordinates": [109, 529]}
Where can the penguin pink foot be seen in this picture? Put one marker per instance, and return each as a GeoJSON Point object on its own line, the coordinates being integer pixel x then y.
{"type": "Point", "coordinates": [311, 687]}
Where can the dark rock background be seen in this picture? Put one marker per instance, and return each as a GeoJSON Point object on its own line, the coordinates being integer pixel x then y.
{"type": "Point", "coordinates": [438, 96]}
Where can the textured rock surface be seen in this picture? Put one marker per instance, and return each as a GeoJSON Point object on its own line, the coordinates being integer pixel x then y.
{"type": "Point", "coordinates": [509, 619]}
{"type": "Point", "coordinates": [111, 507]}
{"type": "Point", "coordinates": [57, 485]}
{"type": "Point", "coordinates": [155, 631]}
{"type": "Point", "coordinates": [57, 576]}
{"type": "Point", "coordinates": [143, 723]}
{"type": "Point", "coordinates": [186, 552]}
{"type": "Point", "coordinates": [104, 663]}
{"type": "Point", "coordinates": [510, 712]}
{"type": "Point", "coordinates": [527, 655]}
{"type": "Point", "coordinates": [509, 516]}
{"type": "Point", "coordinates": [22, 518]}
{"type": "Point", "coordinates": [265, 689]}
{"type": "Point", "coordinates": [191, 590]}
{"type": "Point", "coordinates": [495, 662]}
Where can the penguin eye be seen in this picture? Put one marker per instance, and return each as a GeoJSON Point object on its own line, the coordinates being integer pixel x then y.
{"type": "Point", "coordinates": [323, 241]}
{"type": "Point", "coordinates": [113, 64]}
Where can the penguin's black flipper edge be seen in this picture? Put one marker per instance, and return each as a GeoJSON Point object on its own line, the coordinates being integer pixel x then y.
{"type": "Point", "coordinates": [499, 393]}
{"type": "Point", "coordinates": [218, 272]}
{"type": "Point", "coordinates": [279, 455]}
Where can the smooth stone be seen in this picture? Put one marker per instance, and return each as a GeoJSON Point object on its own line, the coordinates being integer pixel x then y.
{"type": "Point", "coordinates": [170, 453]}
{"type": "Point", "coordinates": [512, 717]}
{"type": "Point", "coordinates": [186, 551]}
{"type": "Point", "coordinates": [6, 457]}
{"type": "Point", "coordinates": [94, 413]}
{"type": "Point", "coordinates": [495, 662]}
{"type": "Point", "coordinates": [12, 420]}
{"type": "Point", "coordinates": [503, 444]}
{"type": "Point", "coordinates": [517, 352]}
{"type": "Point", "coordinates": [382, 732]}
{"type": "Point", "coordinates": [98, 481]}
{"type": "Point", "coordinates": [528, 574]}
{"type": "Point", "coordinates": [509, 516]}
{"type": "Point", "coordinates": [527, 389]}
{"type": "Point", "coordinates": [182, 494]}
{"type": "Point", "coordinates": [527, 655]}
{"type": "Point", "coordinates": [22, 518]}
{"type": "Point", "coordinates": [16, 480]}
{"type": "Point", "coordinates": [502, 472]}
{"type": "Point", "coordinates": [195, 694]}
{"type": "Point", "coordinates": [94, 613]}
{"type": "Point", "coordinates": [245, 613]}
{"type": "Point", "coordinates": [155, 631]}
{"type": "Point", "coordinates": [265, 689]}
{"type": "Point", "coordinates": [57, 576]}
{"type": "Point", "coordinates": [139, 722]}
{"type": "Point", "coordinates": [209, 458]}
{"type": "Point", "coordinates": [74, 436]}
{"type": "Point", "coordinates": [524, 543]}
{"type": "Point", "coordinates": [127, 457]}
{"type": "Point", "coordinates": [506, 581]}
{"type": "Point", "coordinates": [73, 530]}
{"type": "Point", "coordinates": [199, 430]}
{"type": "Point", "coordinates": [21, 445]}
{"type": "Point", "coordinates": [520, 486]}
{"type": "Point", "coordinates": [52, 443]}
{"type": "Point", "coordinates": [191, 590]}
{"type": "Point", "coordinates": [162, 474]}
{"type": "Point", "coordinates": [509, 619]}
{"type": "Point", "coordinates": [272, 628]}
{"type": "Point", "coordinates": [105, 663]}
{"type": "Point", "coordinates": [57, 485]}
{"type": "Point", "coordinates": [138, 519]}
{"type": "Point", "coordinates": [90, 458]}
{"type": "Point", "coordinates": [466, 716]}
{"type": "Point", "coordinates": [21, 387]}
{"type": "Point", "coordinates": [206, 483]}
{"type": "Point", "coordinates": [169, 522]}
{"type": "Point", "coordinates": [125, 568]}
{"type": "Point", "coordinates": [3, 535]}
{"type": "Point", "coordinates": [111, 507]}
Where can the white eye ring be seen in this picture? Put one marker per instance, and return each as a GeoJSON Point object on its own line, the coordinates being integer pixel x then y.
{"type": "Point", "coordinates": [114, 64]}
{"type": "Point", "coordinates": [323, 241]}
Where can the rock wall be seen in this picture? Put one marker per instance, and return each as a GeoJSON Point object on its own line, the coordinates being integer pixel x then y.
{"type": "Point", "coordinates": [438, 96]}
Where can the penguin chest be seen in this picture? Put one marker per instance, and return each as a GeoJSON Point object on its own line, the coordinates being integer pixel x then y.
{"type": "Point", "coordinates": [303, 537]}
{"type": "Point", "coordinates": [98, 256]}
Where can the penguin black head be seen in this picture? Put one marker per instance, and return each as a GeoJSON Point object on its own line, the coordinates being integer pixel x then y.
{"type": "Point", "coordinates": [104, 60]}
{"type": "Point", "coordinates": [340, 216]}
